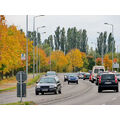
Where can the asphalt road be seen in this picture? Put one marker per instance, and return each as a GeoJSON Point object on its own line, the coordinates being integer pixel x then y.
{"type": "Point", "coordinates": [84, 93]}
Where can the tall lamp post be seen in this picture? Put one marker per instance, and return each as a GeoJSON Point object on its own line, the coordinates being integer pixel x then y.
{"type": "Point", "coordinates": [37, 49]}
{"type": "Point", "coordinates": [34, 18]}
{"type": "Point", "coordinates": [112, 41]}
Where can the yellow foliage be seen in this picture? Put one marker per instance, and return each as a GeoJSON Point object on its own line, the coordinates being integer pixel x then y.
{"type": "Point", "coordinates": [75, 58]}
{"type": "Point", "coordinates": [59, 60]}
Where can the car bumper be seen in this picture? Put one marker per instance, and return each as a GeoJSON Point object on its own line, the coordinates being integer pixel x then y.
{"type": "Point", "coordinates": [46, 90]}
{"type": "Point", "coordinates": [108, 87]}
{"type": "Point", "coordinates": [73, 81]}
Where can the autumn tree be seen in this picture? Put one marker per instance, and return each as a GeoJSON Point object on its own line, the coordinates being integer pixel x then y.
{"type": "Point", "coordinates": [75, 58]}
{"type": "Point", "coordinates": [58, 61]}
{"type": "Point", "coordinates": [98, 61]}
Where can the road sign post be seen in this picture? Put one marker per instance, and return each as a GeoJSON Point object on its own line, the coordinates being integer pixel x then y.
{"type": "Point", "coordinates": [21, 86]}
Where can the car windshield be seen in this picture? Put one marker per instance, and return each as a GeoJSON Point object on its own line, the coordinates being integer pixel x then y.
{"type": "Point", "coordinates": [98, 70]}
{"type": "Point", "coordinates": [72, 75]}
{"type": "Point", "coordinates": [47, 80]}
{"type": "Point", "coordinates": [108, 77]}
{"type": "Point", "coordinates": [51, 73]}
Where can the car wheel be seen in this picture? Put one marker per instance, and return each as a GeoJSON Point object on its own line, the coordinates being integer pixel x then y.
{"type": "Point", "coordinates": [92, 81]}
{"type": "Point", "coordinates": [56, 91]}
{"type": "Point", "coordinates": [68, 82]}
{"type": "Point", "coordinates": [42, 93]}
{"type": "Point", "coordinates": [37, 93]}
{"type": "Point", "coordinates": [99, 90]}
{"type": "Point", "coordinates": [60, 91]}
{"type": "Point", "coordinates": [77, 82]}
{"type": "Point", "coordinates": [117, 90]}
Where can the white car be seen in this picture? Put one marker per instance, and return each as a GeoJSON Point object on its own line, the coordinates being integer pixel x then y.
{"type": "Point", "coordinates": [95, 71]}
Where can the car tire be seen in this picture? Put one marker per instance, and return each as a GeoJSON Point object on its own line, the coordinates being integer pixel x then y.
{"type": "Point", "coordinates": [56, 91]}
{"type": "Point", "coordinates": [68, 83]}
{"type": "Point", "coordinates": [117, 90]}
{"type": "Point", "coordinates": [60, 91]}
{"type": "Point", "coordinates": [42, 93]}
{"type": "Point", "coordinates": [77, 82]}
{"type": "Point", "coordinates": [99, 90]}
{"type": "Point", "coordinates": [92, 81]}
{"type": "Point", "coordinates": [37, 93]}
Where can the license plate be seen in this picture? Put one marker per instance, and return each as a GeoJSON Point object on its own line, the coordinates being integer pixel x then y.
{"type": "Point", "coordinates": [44, 90]}
{"type": "Point", "coordinates": [107, 82]}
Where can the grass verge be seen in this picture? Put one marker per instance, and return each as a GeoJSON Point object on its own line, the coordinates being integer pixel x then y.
{"type": "Point", "coordinates": [32, 82]}
{"type": "Point", "coordinates": [21, 103]}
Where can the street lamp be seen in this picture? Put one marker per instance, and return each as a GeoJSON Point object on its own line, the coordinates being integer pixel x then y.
{"type": "Point", "coordinates": [34, 43]}
{"type": "Point", "coordinates": [37, 49]}
{"type": "Point", "coordinates": [112, 41]}
{"type": "Point", "coordinates": [95, 51]}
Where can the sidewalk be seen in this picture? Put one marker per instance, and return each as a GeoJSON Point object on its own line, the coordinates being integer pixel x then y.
{"type": "Point", "coordinates": [12, 82]}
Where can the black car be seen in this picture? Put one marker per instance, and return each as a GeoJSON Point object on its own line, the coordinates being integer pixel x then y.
{"type": "Point", "coordinates": [48, 84]}
{"type": "Point", "coordinates": [108, 81]}
{"type": "Point", "coordinates": [72, 78]}
{"type": "Point", "coordinates": [86, 76]}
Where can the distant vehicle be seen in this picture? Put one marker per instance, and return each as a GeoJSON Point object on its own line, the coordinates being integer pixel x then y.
{"type": "Point", "coordinates": [72, 78]}
{"type": "Point", "coordinates": [90, 71]}
{"type": "Point", "coordinates": [81, 75]}
{"type": "Point", "coordinates": [86, 76]}
{"type": "Point", "coordinates": [118, 76]}
{"type": "Point", "coordinates": [48, 84]}
{"type": "Point", "coordinates": [108, 81]}
{"type": "Point", "coordinates": [51, 73]}
{"type": "Point", "coordinates": [95, 71]}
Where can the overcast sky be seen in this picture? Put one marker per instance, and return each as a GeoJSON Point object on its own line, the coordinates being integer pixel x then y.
{"type": "Point", "coordinates": [92, 23]}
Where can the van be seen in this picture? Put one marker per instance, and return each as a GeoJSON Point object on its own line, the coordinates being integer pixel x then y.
{"type": "Point", "coordinates": [95, 71]}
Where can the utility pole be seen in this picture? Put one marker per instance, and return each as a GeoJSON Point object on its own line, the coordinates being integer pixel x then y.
{"type": "Point", "coordinates": [34, 43]}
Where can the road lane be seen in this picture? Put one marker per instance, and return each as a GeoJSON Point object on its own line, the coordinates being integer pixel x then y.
{"type": "Point", "coordinates": [85, 93]}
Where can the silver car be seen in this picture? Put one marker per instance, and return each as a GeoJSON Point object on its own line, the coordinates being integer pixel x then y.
{"type": "Point", "coordinates": [48, 84]}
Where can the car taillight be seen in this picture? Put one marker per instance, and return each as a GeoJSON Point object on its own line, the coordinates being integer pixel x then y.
{"type": "Point", "coordinates": [90, 77]}
{"type": "Point", "coordinates": [116, 79]}
{"type": "Point", "coordinates": [99, 79]}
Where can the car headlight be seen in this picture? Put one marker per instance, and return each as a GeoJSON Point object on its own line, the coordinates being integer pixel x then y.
{"type": "Point", "coordinates": [52, 86]}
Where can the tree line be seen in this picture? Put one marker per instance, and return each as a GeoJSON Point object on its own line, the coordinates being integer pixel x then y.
{"type": "Point", "coordinates": [64, 40]}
